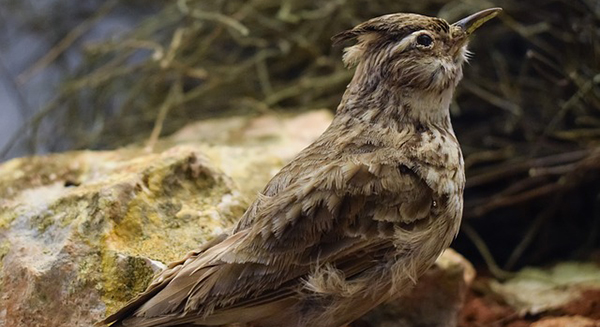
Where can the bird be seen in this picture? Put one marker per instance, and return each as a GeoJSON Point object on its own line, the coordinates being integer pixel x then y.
{"type": "Point", "coordinates": [357, 216]}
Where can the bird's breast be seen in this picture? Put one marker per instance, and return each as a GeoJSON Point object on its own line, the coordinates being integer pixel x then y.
{"type": "Point", "coordinates": [438, 159]}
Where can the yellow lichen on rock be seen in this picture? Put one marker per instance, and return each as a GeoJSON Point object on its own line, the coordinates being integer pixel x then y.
{"type": "Point", "coordinates": [108, 228]}
{"type": "Point", "coordinates": [122, 278]}
{"type": "Point", "coordinates": [82, 232]}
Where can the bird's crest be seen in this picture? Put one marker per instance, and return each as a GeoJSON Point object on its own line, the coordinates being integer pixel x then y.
{"type": "Point", "coordinates": [389, 27]}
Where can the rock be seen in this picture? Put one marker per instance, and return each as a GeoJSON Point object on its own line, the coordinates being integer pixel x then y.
{"type": "Point", "coordinates": [251, 151]}
{"type": "Point", "coordinates": [481, 310]}
{"type": "Point", "coordinates": [83, 232]}
{"type": "Point", "coordinates": [435, 301]}
{"type": "Point", "coordinates": [569, 287]}
{"type": "Point", "coordinates": [575, 321]}
{"type": "Point", "coordinates": [79, 231]}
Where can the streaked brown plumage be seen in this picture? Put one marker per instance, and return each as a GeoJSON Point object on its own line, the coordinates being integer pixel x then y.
{"type": "Point", "coordinates": [358, 215]}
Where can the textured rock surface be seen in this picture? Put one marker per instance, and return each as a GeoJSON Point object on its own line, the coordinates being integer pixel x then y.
{"type": "Point", "coordinates": [82, 232]}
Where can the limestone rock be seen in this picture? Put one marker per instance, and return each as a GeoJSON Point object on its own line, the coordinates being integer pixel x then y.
{"type": "Point", "coordinates": [82, 232]}
{"type": "Point", "coordinates": [79, 230]}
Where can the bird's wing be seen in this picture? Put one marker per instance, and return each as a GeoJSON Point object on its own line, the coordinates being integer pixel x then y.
{"type": "Point", "coordinates": [343, 213]}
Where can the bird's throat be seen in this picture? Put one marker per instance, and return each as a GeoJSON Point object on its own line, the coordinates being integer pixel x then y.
{"type": "Point", "coordinates": [385, 104]}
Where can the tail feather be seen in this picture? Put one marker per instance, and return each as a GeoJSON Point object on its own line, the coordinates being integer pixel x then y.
{"type": "Point", "coordinates": [126, 315]}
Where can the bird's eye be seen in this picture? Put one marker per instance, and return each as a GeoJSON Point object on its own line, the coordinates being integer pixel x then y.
{"type": "Point", "coordinates": [424, 40]}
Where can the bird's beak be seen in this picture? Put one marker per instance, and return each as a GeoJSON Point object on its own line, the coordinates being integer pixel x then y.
{"type": "Point", "coordinates": [471, 23]}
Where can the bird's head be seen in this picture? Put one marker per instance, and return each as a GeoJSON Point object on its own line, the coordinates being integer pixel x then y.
{"type": "Point", "coordinates": [410, 50]}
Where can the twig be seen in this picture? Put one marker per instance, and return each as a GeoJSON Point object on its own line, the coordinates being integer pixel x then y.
{"type": "Point", "coordinates": [527, 32]}
{"type": "Point", "coordinates": [491, 98]}
{"type": "Point", "coordinates": [105, 73]}
{"type": "Point", "coordinates": [485, 253]}
{"type": "Point", "coordinates": [306, 84]}
{"type": "Point", "coordinates": [35, 119]}
{"type": "Point", "coordinates": [568, 180]}
{"type": "Point", "coordinates": [495, 203]}
{"type": "Point", "coordinates": [532, 232]}
{"type": "Point", "coordinates": [536, 57]}
{"type": "Point", "coordinates": [488, 156]}
{"type": "Point", "coordinates": [26, 110]}
{"type": "Point", "coordinates": [595, 229]}
{"type": "Point", "coordinates": [556, 170]}
{"type": "Point", "coordinates": [235, 71]}
{"type": "Point", "coordinates": [66, 42]}
{"type": "Point", "coordinates": [511, 169]}
{"type": "Point", "coordinates": [173, 96]}
{"type": "Point", "coordinates": [524, 184]}
{"type": "Point", "coordinates": [198, 14]}
{"type": "Point", "coordinates": [565, 107]}
{"type": "Point", "coordinates": [169, 57]}
{"type": "Point", "coordinates": [263, 77]}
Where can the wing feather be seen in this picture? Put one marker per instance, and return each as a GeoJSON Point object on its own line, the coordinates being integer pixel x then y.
{"type": "Point", "coordinates": [341, 214]}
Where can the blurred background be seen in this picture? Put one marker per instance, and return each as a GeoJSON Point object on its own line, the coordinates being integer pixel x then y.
{"type": "Point", "coordinates": [104, 74]}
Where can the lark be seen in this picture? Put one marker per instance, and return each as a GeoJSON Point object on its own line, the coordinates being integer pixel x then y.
{"type": "Point", "coordinates": [358, 215]}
